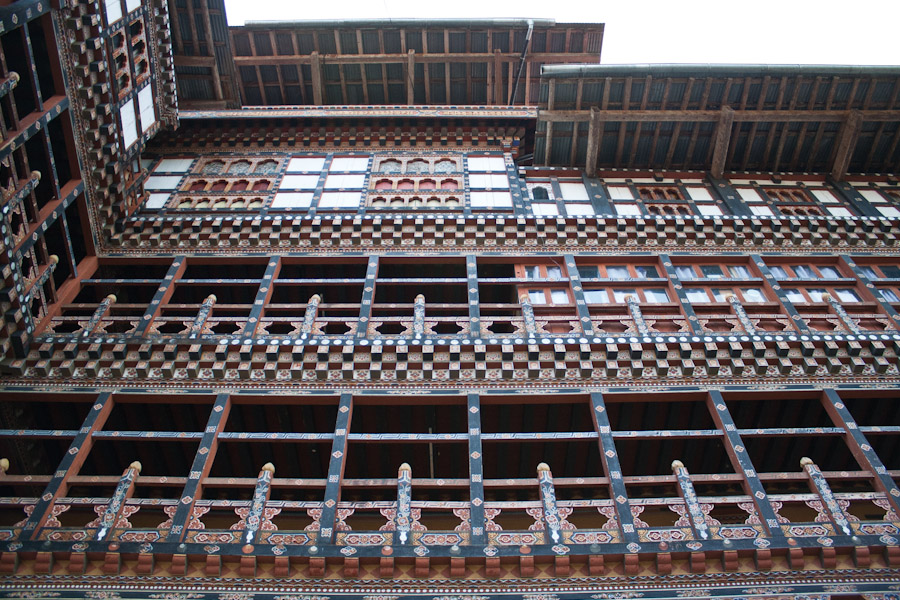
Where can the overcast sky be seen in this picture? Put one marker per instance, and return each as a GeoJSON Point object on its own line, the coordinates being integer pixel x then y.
{"type": "Point", "coordinates": [656, 31]}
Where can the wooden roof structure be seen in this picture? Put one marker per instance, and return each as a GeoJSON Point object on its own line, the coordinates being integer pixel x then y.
{"type": "Point", "coordinates": [720, 118]}
{"type": "Point", "coordinates": [372, 62]}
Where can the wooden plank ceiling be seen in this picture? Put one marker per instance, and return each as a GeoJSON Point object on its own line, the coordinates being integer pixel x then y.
{"type": "Point", "coordinates": [448, 62]}
{"type": "Point", "coordinates": [720, 118]}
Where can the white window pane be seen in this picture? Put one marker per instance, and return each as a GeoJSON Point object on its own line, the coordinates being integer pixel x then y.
{"type": "Point", "coordinates": [482, 199]}
{"type": "Point", "coordinates": [502, 199]}
{"type": "Point", "coordinates": [709, 210]}
{"type": "Point", "coordinates": [554, 273]}
{"type": "Point", "coordinates": [846, 295]}
{"type": "Point", "coordinates": [711, 271]}
{"type": "Point", "coordinates": [544, 209]}
{"type": "Point", "coordinates": [656, 295]}
{"type": "Point", "coordinates": [749, 195]}
{"type": "Point", "coordinates": [795, 296]}
{"type": "Point", "coordinates": [129, 123]}
{"type": "Point", "coordinates": [721, 294]}
{"type": "Point", "coordinates": [352, 164]}
{"type": "Point", "coordinates": [888, 211]}
{"type": "Point", "coordinates": [778, 272]}
{"type": "Point", "coordinates": [620, 295]}
{"type": "Point", "coordinates": [300, 182]}
{"type": "Point", "coordinates": [131, 5]}
{"type": "Point", "coordinates": [559, 297]}
{"type": "Point", "coordinates": [579, 209]}
{"type": "Point", "coordinates": [145, 104]}
{"type": "Point", "coordinates": [537, 297]}
{"type": "Point", "coordinates": [486, 163]}
{"type": "Point", "coordinates": [500, 181]}
{"type": "Point", "coordinates": [753, 295]}
{"type": "Point", "coordinates": [161, 182]}
{"type": "Point", "coordinates": [694, 295]}
{"type": "Point", "coordinates": [532, 272]}
{"type": "Point", "coordinates": [344, 181]}
{"type": "Point", "coordinates": [824, 196]}
{"type": "Point", "coordinates": [803, 272]}
{"type": "Point", "coordinates": [873, 196]}
{"type": "Point", "coordinates": [699, 193]}
{"type": "Point", "coordinates": [739, 272]}
{"type": "Point", "coordinates": [617, 272]}
{"type": "Point", "coordinates": [173, 165]}
{"type": "Point", "coordinates": [573, 191]}
{"type": "Point", "coordinates": [113, 11]}
{"type": "Point", "coordinates": [646, 271]}
{"type": "Point", "coordinates": [685, 272]}
{"type": "Point", "coordinates": [839, 211]}
{"type": "Point", "coordinates": [627, 209]}
{"type": "Point", "coordinates": [307, 164]}
{"type": "Point", "coordinates": [156, 201]}
{"type": "Point", "coordinates": [479, 181]}
{"type": "Point", "coordinates": [596, 297]}
{"type": "Point", "coordinates": [292, 200]}
{"type": "Point", "coordinates": [829, 272]}
{"type": "Point", "coordinates": [889, 295]}
{"type": "Point", "coordinates": [339, 200]}
{"type": "Point", "coordinates": [761, 210]}
{"type": "Point", "coordinates": [816, 294]}
{"type": "Point", "coordinates": [620, 192]}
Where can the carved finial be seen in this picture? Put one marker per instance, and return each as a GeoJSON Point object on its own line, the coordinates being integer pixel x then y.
{"type": "Point", "coordinates": [677, 464]}
{"type": "Point", "coordinates": [826, 297]}
{"type": "Point", "coordinates": [629, 298]}
{"type": "Point", "coordinates": [728, 296]}
{"type": "Point", "coordinates": [4, 465]}
{"type": "Point", "coordinates": [420, 298]}
{"type": "Point", "coordinates": [806, 461]}
{"type": "Point", "coordinates": [54, 259]}
{"type": "Point", "coordinates": [136, 465]}
{"type": "Point", "coordinates": [405, 467]}
{"type": "Point", "coordinates": [523, 298]}
{"type": "Point", "coordinates": [268, 467]}
{"type": "Point", "coordinates": [315, 298]}
{"type": "Point", "coordinates": [36, 175]}
{"type": "Point", "coordinates": [112, 298]}
{"type": "Point", "coordinates": [543, 468]}
{"type": "Point", "coordinates": [212, 297]}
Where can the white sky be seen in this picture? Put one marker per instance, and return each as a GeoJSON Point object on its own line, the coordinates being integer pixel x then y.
{"type": "Point", "coordinates": [656, 31]}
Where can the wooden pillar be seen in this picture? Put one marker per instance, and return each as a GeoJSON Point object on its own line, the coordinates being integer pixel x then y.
{"type": "Point", "coordinates": [846, 143]}
{"type": "Point", "coordinates": [595, 128]}
{"type": "Point", "coordinates": [315, 68]}
{"type": "Point", "coordinates": [328, 520]}
{"type": "Point", "coordinates": [722, 141]}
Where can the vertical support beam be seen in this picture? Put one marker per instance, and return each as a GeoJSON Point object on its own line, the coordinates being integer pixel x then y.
{"type": "Point", "coordinates": [686, 490]}
{"type": "Point", "coordinates": [162, 295]}
{"type": "Point", "coordinates": [821, 488]}
{"type": "Point", "coordinates": [528, 316]}
{"type": "Point", "coordinates": [846, 143]}
{"type": "Point", "coordinates": [328, 520]}
{"type": "Point", "coordinates": [860, 448]}
{"type": "Point", "coordinates": [403, 516]}
{"type": "Point", "coordinates": [741, 314]}
{"type": "Point", "coordinates": [70, 464]}
{"type": "Point", "coordinates": [262, 296]}
{"type": "Point", "coordinates": [216, 76]}
{"type": "Point", "coordinates": [315, 68]}
{"type": "Point", "coordinates": [584, 314]}
{"type": "Point", "coordinates": [740, 461]}
{"type": "Point", "coordinates": [365, 305]}
{"type": "Point", "coordinates": [613, 470]}
{"type": "Point", "coordinates": [845, 318]}
{"type": "Point", "coordinates": [636, 315]}
{"type": "Point", "coordinates": [200, 467]}
{"type": "Point", "coordinates": [548, 503]}
{"type": "Point", "coordinates": [476, 472]}
{"type": "Point", "coordinates": [474, 302]}
{"type": "Point", "coordinates": [257, 513]}
{"type": "Point", "coordinates": [410, 77]}
{"type": "Point", "coordinates": [312, 312]}
{"type": "Point", "coordinates": [595, 129]}
{"type": "Point", "coordinates": [99, 313]}
{"type": "Point", "coordinates": [723, 140]}
{"type": "Point", "coordinates": [686, 307]}
{"type": "Point", "coordinates": [202, 316]}
{"type": "Point", "coordinates": [419, 316]}
{"type": "Point", "coordinates": [124, 490]}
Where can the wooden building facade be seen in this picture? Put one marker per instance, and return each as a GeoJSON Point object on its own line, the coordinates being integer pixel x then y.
{"type": "Point", "coordinates": [439, 310]}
